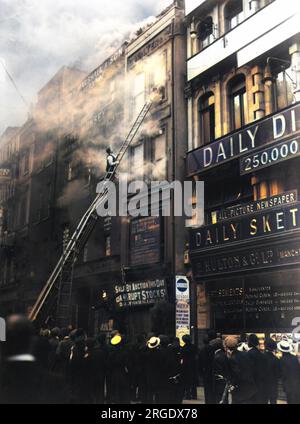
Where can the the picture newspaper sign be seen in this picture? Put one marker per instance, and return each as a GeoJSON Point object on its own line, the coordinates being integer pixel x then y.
{"type": "Point", "coordinates": [183, 313]}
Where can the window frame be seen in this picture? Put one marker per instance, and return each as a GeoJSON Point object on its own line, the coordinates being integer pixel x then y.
{"type": "Point", "coordinates": [234, 91]}
{"type": "Point", "coordinates": [207, 109]}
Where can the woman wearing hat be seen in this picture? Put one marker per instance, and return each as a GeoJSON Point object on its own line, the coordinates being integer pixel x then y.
{"type": "Point", "coordinates": [290, 372]}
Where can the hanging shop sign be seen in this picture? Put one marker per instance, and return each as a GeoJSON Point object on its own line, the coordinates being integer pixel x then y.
{"type": "Point", "coordinates": [271, 255]}
{"type": "Point", "coordinates": [183, 310]}
{"type": "Point", "coordinates": [259, 225]}
{"type": "Point", "coordinates": [274, 129]}
{"type": "Point", "coordinates": [145, 246]}
{"type": "Point", "coordinates": [270, 156]}
{"type": "Point", "coordinates": [287, 198]}
{"type": "Point", "coordinates": [141, 293]}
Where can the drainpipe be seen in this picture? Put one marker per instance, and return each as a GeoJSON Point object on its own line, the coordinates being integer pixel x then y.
{"type": "Point", "coordinates": [295, 60]}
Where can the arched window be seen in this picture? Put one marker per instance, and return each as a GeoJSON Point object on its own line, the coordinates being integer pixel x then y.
{"type": "Point", "coordinates": [207, 117]}
{"type": "Point", "coordinates": [234, 14]}
{"type": "Point", "coordinates": [205, 32]}
{"type": "Point", "coordinates": [238, 101]}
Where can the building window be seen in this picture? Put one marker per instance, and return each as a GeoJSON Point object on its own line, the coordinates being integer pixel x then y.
{"type": "Point", "coordinates": [207, 118]}
{"type": "Point", "coordinates": [234, 14]}
{"type": "Point", "coordinates": [23, 205]}
{"type": "Point", "coordinates": [267, 188]}
{"type": "Point", "coordinates": [158, 75]}
{"type": "Point", "coordinates": [69, 172]}
{"type": "Point", "coordinates": [138, 94]}
{"type": "Point", "coordinates": [159, 160]}
{"type": "Point", "coordinates": [107, 246]}
{"type": "Point", "coordinates": [254, 5]}
{"type": "Point", "coordinates": [137, 161]}
{"type": "Point", "coordinates": [205, 32]}
{"type": "Point", "coordinates": [26, 162]}
{"type": "Point", "coordinates": [284, 88]}
{"type": "Point", "coordinates": [238, 102]}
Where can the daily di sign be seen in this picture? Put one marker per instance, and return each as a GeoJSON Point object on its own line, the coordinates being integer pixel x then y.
{"type": "Point", "coordinates": [263, 133]}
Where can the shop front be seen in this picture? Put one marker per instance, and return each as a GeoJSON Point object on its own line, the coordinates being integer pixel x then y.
{"type": "Point", "coordinates": [251, 275]}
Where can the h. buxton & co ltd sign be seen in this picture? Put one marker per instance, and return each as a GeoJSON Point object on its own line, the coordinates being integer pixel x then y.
{"type": "Point", "coordinates": [270, 255]}
{"type": "Point", "coordinates": [274, 129]}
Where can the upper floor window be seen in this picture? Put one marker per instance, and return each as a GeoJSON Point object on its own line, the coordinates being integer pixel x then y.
{"type": "Point", "coordinates": [284, 88]}
{"type": "Point", "coordinates": [139, 94]}
{"type": "Point", "coordinates": [254, 5]}
{"type": "Point", "coordinates": [238, 102]}
{"type": "Point", "coordinates": [158, 74]}
{"type": "Point", "coordinates": [206, 32]}
{"type": "Point", "coordinates": [23, 209]}
{"type": "Point", "coordinates": [234, 14]}
{"type": "Point", "coordinates": [267, 188]}
{"type": "Point", "coordinates": [159, 161]}
{"type": "Point", "coordinates": [207, 117]}
{"type": "Point", "coordinates": [137, 161]}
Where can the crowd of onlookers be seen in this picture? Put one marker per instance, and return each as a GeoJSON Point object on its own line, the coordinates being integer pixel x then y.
{"type": "Point", "coordinates": [237, 369]}
{"type": "Point", "coordinates": [65, 366]}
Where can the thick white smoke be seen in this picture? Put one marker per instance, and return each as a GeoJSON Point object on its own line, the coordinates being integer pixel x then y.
{"type": "Point", "coordinates": [38, 37]}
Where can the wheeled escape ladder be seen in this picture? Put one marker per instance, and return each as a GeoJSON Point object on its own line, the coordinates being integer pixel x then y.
{"type": "Point", "coordinates": [57, 293]}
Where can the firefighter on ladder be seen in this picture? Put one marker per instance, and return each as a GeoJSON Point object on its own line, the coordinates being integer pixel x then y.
{"type": "Point", "coordinates": [111, 162]}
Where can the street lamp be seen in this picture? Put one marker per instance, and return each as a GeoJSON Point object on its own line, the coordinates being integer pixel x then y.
{"type": "Point", "coordinates": [193, 31]}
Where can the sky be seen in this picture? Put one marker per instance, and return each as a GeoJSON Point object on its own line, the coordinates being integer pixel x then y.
{"type": "Point", "coordinates": [38, 37]}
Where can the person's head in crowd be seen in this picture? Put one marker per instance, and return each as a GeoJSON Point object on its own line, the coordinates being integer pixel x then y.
{"type": "Point", "coordinates": [212, 335]}
{"type": "Point", "coordinates": [217, 344]}
{"type": "Point", "coordinates": [73, 335]}
{"type": "Point", "coordinates": [176, 342]}
{"type": "Point", "coordinates": [231, 344]}
{"type": "Point", "coordinates": [19, 336]}
{"type": "Point", "coordinates": [55, 333]}
{"type": "Point", "coordinates": [101, 339]}
{"type": "Point", "coordinates": [187, 340]}
{"type": "Point", "coordinates": [45, 333]}
{"type": "Point", "coordinates": [243, 338]}
{"type": "Point", "coordinates": [64, 334]}
{"type": "Point", "coordinates": [164, 340]}
{"type": "Point", "coordinates": [253, 341]}
{"type": "Point", "coordinates": [117, 340]}
{"type": "Point", "coordinates": [154, 343]}
{"type": "Point", "coordinates": [285, 347]}
{"type": "Point", "coordinates": [90, 344]}
{"type": "Point", "coordinates": [271, 346]}
{"type": "Point", "coordinates": [80, 335]}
